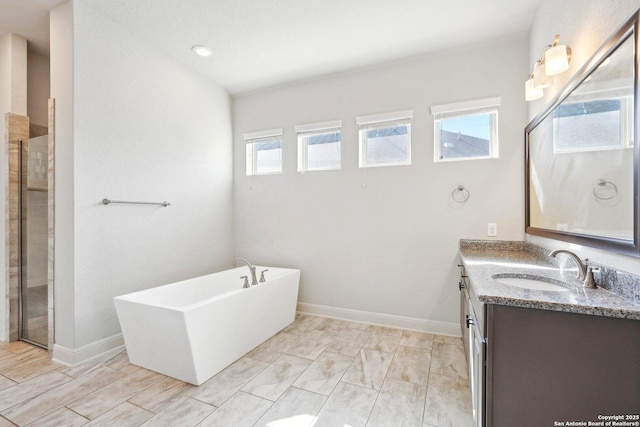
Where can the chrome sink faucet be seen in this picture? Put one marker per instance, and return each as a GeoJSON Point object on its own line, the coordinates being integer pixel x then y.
{"type": "Point", "coordinates": [585, 273]}
{"type": "Point", "coordinates": [252, 269]}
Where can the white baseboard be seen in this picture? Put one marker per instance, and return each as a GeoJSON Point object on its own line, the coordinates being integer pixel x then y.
{"type": "Point", "coordinates": [72, 357]}
{"type": "Point", "coordinates": [401, 322]}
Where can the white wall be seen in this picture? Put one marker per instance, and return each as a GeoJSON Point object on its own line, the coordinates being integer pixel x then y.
{"type": "Point", "coordinates": [38, 88]}
{"type": "Point", "coordinates": [143, 128]}
{"type": "Point", "coordinates": [390, 247]}
{"type": "Point", "coordinates": [13, 98]}
{"type": "Point", "coordinates": [61, 26]}
{"type": "Point", "coordinates": [583, 25]}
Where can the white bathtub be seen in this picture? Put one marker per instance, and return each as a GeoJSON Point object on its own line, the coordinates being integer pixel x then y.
{"type": "Point", "coordinates": [193, 329]}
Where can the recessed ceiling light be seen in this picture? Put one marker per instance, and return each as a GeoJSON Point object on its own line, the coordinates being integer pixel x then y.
{"type": "Point", "coordinates": [202, 50]}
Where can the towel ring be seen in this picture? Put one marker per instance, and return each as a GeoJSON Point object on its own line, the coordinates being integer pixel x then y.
{"type": "Point", "coordinates": [601, 186]}
{"type": "Point", "coordinates": [460, 194]}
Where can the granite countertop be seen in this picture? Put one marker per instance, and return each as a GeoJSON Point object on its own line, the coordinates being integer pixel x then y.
{"type": "Point", "coordinates": [482, 260]}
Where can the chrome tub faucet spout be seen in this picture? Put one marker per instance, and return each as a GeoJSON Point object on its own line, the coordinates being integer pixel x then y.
{"type": "Point", "coordinates": [252, 269]}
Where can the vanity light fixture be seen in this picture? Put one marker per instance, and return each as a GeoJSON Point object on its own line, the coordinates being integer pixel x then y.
{"type": "Point", "coordinates": [531, 92]}
{"type": "Point", "coordinates": [554, 60]}
{"type": "Point", "coordinates": [202, 50]}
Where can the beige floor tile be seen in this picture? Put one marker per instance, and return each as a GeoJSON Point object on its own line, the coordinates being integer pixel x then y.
{"type": "Point", "coordinates": [369, 369]}
{"type": "Point", "coordinates": [119, 361]}
{"type": "Point", "coordinates": [228, 381]}
{"type": "Point", "coordinates": [324, 373]}
{"type": "Point", "coordinates": [446, 339]}
{"type": "Point", "coordinates": [302, 325]}
{"type": "Point", "coordinates": [31, 369]}
{"type": "Point", "coordinates": [5, 422]}
{"type": "Point", "coordinates": [92, 365]}
{"type": "Point", "coordinates": [448, 402]}
{"type": "Point", "coordinates": [241, 410]}
{"type": "Point", "coordinates": [277, 377]}
{"type": "Point", "coordinates": [400, 404]}
{"type": "Point", "coordinates": [417, 339]}
{"type": "Point", "coordinates": [62, 417]}
{"type": "Point", "coordinates": [448, 359]}
{"type": "Point", "coordinates": [184, 411]}
{"type": "Point", "coordinates": [22, 347]}
{"type": "Point", "coordinates": [123, 415]}
{"type": "Point", "coordinates": [270, 350]}
{"type": "Point", "coordinates": [47, 402]}
{"type": "Point", "coordinates": [384, 339]}
{"type": "Point", "coordinates": [112, 395]}
{"type": "Point", "coordinates": [32, 388]}
{"type": "Point", "coordinates": [313, 344]}
{"type": "Point", "coordinates": [156, 397]}
{"type": "Point", "coordinates": [297, 407]}
{"type": "Point", "coordinates": [349, 342]}
{"type": "Point", "coordinates": [331, 325]}
{"type": "Point", "coordinates": [410, 364]}
{"type": "Point", "coordinates": [16, 360]}
{"type": "Point", "coordinates": [348, 405]}
{"type": "Point", "coordinates": [360, 326]}
{"type": "Point", "coordinates": [318, 371]}
{"type": "Point", "coordinates": [6, 383]}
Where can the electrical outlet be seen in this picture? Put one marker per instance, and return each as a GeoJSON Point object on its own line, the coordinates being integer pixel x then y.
{"type": "Point", "coordinates": [492, 229]}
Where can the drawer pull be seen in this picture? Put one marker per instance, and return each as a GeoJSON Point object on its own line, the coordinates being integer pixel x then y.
{"type": "Point", "coordinates": [469, 321]}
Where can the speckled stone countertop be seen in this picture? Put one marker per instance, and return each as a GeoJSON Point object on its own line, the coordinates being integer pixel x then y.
{"type": "Point", "coordinates": [484, 259]}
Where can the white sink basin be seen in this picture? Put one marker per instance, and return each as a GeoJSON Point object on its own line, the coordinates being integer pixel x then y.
{"type": "Point", "coordinates": [531, 283]}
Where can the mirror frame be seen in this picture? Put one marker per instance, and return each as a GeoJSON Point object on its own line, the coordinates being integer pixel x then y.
{"type": "Point", "coordinates": [629, 28]}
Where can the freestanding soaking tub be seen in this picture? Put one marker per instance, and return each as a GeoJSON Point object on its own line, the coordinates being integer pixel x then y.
{"type": "Point", "coordinates": [191, 330]}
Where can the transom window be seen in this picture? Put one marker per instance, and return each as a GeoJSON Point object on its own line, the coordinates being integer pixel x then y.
{"type": "Point", "coordinates": [466, 130]}
{"type": "Point", "coordinates": [319, 146]}
{"type": "Point", "coordinates": [385, 139]}
{"type": "Point", "coordinates": [264, 152]}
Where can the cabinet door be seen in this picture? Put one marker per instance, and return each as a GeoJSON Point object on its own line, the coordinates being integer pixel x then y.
{"type": "Point", "coordinates": [476, 375]}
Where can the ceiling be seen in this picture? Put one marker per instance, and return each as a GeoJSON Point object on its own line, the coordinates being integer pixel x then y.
{"type": "Point", "coordinates": [262, 43]}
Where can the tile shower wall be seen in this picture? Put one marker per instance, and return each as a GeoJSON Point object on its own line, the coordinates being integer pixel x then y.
{"type": "Point", "coordinates": [383, 240]}
{"type": "Point", "coordinates": [13, 99]}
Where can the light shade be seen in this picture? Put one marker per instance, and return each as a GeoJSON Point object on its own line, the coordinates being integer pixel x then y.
{"type": "Point", "coordinates": [540, 78]}
{"type": "Point", "coordinates": [556, 59]}
{"type": "Point", "coordinates": [530, 92]}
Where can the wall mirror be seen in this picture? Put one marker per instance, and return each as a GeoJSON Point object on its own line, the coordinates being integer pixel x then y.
{"type": "Point", "coordinates": [581, 182]}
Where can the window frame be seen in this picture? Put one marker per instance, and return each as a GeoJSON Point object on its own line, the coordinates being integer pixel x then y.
{"type": "Point", "coordinates": [381, 121]}
{"type": "Point", "coordinates": [626, 129]}
{"type": "Point", "coordinates": [463, 109]}
{"type": "Point", "coordinates": [303, 132]}
{"type": "Point", "coordinates": [251, 140]}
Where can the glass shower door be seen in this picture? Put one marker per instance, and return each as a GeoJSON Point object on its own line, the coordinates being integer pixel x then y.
{"type": "Point", "coordinates": [34, 241]}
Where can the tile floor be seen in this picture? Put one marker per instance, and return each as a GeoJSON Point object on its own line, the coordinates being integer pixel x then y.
{"type": "Point", "coordinates": [316, 372]}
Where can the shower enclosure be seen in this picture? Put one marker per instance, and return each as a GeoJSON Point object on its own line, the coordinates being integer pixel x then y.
{"type": "Point", "coordinates": [33, 220]}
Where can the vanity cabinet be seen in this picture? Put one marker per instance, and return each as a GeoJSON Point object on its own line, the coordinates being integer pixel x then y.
{"type": "Point", "coordinates": [535, 367]}
{"type": "Point", "coordinates": [474, 346]}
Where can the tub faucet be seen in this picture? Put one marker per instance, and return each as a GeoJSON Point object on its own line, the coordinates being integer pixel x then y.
{"type": "Point", "coordinates": [252, 269]}
{"type": "Point", "coordinates": [585, 273]}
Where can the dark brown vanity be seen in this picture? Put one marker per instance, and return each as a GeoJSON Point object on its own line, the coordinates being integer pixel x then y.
{"type": "Point", "coordinates": [542, 357]}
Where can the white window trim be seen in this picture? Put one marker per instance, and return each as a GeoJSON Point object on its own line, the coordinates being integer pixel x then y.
{"type": "Point", "coordinates": [251, 139]}
{"type": "Point", "coordinates": [373, 121]}
{"type": "Point", "coordinates": [313, 129]}
{"type": "Point", "coordinates": [464, 109]}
